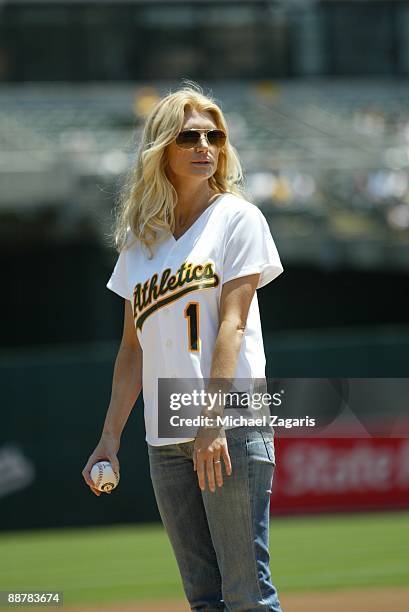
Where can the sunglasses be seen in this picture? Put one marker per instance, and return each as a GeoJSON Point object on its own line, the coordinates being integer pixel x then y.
{"type": "Point", "coordinates": [187, 139]}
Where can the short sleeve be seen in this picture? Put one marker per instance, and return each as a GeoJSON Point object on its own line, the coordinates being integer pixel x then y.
{"type": "Point", "coordinates": [250, 248]}
{"type": "Point", "coordinates": [119, 277]}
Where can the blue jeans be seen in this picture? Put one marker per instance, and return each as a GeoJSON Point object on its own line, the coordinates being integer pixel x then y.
{"type": "Point", "coordinates": [220, 539]}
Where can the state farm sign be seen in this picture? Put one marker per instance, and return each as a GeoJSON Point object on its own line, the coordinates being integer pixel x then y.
{"type": "Point", "coordinates": [340, 474]}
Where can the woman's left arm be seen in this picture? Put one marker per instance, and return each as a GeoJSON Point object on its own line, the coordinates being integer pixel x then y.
{"type": "Point", "coordinates": [211, 444]}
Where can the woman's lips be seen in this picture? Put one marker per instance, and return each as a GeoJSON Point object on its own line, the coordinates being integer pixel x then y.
{"type": "Point", "coordinates": [201, 162]}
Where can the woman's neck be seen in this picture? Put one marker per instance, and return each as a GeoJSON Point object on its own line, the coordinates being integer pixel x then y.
{"type": "Point", "coordinates": [192, 202]}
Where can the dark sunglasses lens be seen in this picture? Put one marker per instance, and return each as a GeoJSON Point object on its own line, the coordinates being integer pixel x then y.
{"type": "Point", "coordinates": [216, 137]}
{"type": "Point", "coordinates": [187, 139]}
{"type": "Point", "coordinates": [190, 138]}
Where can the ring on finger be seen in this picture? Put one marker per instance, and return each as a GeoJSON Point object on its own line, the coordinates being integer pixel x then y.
{"type": "Point", "coordinates": [218, 461]}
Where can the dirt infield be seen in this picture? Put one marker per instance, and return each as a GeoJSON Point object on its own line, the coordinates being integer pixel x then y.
{"type": "Point", "coordinates": [375, 600]}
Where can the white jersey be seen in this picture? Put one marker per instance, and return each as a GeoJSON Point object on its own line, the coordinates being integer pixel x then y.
{"type": "Point", "coordinates": [175, 296]}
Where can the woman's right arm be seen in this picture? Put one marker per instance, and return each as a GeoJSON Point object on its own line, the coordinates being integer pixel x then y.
{"type": "Point", "coordinates": [126, 386]}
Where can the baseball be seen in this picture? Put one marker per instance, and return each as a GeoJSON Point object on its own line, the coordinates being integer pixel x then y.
{"type": "Point", "coordinates": [104, 477]}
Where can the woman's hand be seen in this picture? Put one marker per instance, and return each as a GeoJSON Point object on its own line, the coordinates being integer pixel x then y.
{"type": "Point", "coordinates": [210, 449]}
{"type": "Point", "coordinates": [106, 449]}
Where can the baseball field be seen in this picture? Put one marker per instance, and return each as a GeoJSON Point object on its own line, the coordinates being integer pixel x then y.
{"type": "Point", "coordinates": [322, 563]}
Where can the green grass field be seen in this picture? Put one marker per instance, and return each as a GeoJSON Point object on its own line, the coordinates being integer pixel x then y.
{"type": "Point", "coordinates": [130, 563]}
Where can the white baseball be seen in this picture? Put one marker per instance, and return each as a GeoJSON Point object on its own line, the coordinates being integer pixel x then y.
{"type": "Point", "coordinates": [104, 477]}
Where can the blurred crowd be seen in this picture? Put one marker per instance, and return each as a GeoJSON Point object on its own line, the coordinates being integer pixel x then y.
{"type": "Point", "coordinates": [321, 156]}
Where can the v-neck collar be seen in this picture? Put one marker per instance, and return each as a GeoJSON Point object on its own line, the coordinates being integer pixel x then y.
{"type": "Point", "coordinates": [176, 240]}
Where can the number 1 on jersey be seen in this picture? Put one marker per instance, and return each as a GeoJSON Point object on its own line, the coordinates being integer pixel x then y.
{"type": "Point", "coordinates": [192, 315]}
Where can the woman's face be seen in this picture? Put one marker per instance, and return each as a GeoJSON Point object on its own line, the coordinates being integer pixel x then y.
{"type": "Point", "coordinates": [182, 163]}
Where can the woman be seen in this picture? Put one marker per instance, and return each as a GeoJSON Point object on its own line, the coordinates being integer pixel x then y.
{"type": "Point", "coordinates": [192, 252]}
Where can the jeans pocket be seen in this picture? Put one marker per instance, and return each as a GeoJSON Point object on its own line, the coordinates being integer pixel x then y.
{"type": "Point", "coordinates": [269, 444]}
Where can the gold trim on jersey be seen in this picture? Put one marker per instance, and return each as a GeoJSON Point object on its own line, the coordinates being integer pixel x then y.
{"type": "Point", "coordinates": [146, 296]}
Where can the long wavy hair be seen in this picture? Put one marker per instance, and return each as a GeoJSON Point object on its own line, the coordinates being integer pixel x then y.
{"type": "Point", "coordinates": [146, 201]}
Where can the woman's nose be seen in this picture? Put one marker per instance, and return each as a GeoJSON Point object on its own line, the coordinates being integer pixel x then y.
{"type": "Point", "coordinates": [203, 142]}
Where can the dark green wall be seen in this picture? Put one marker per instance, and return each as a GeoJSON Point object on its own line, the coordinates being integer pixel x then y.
{"type": "Point", "coordinates": [54, 402]}
{"type": "Point", "coordinates": [60, 332]}
{"type": "Point", "coordinates": [56, 294]}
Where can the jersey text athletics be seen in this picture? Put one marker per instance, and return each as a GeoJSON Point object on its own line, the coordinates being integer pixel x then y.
{"type": "Point", "coordinates": [155, 293]}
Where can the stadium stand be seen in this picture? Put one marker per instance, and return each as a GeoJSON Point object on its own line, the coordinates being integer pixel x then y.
{"type": "Point", "coordinates": [326, 161]}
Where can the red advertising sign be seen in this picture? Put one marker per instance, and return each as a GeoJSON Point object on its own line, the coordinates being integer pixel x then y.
{"type": "Point", "coordinates": [340, 474]}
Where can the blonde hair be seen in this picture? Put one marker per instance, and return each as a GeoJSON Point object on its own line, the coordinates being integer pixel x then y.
{"type": "Point", "coordinates": [147, 200]}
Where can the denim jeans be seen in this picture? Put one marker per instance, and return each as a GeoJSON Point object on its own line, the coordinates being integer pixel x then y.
{"type": "Point", "coordinates": [220, 539]}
